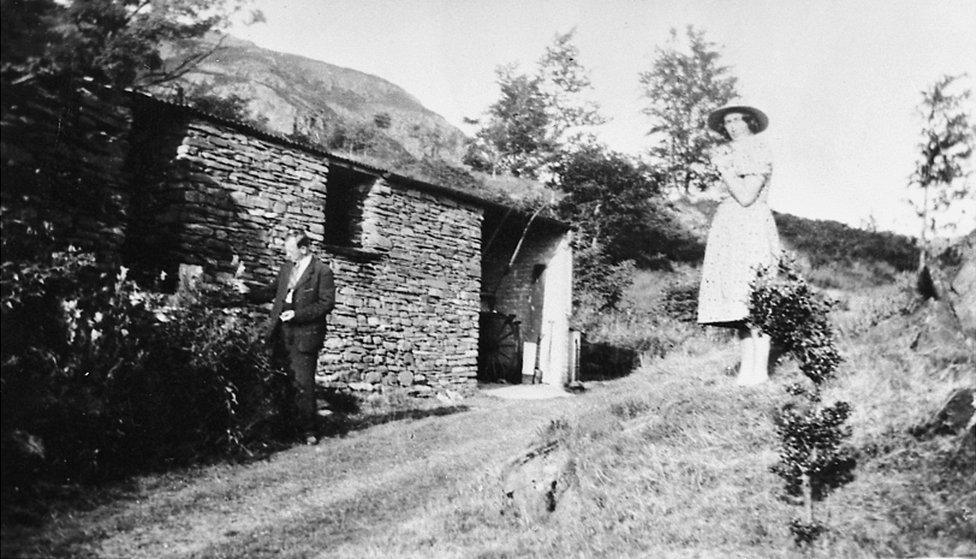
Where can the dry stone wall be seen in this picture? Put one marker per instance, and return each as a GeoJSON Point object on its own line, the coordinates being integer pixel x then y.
{"type": "Point", "coordinates": [237, 196]}
{"type": "Point", "coordinates": [410, 316]}
{"type": "Point", "coordinates": [407, 286]}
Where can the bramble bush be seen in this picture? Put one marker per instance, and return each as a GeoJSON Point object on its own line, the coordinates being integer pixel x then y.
{"type": "Point", "coordinates": [813, 459]}
{"type": "Point", "coordinates": [102, 379]}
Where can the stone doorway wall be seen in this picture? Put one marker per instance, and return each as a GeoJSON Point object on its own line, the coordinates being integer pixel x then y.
{"type": "Point", "coordinates": [527, 274]}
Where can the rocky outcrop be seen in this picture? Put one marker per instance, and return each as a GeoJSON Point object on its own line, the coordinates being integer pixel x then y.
{"type": "Point", "coordinates": [961, 286]}
{"type": "Point", "coordinates": [947, 317]}
{"type": "Point", "coordinates": [534, 484]}
{"type": "Point", "coordinates": [955, 418]}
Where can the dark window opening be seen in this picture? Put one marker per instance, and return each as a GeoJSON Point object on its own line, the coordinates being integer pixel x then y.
{"type": "Point", "coordinates": [345, 192]}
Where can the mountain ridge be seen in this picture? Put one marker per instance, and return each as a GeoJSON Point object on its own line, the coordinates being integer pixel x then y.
{"type": "Point", "coordinates": [332, 105]}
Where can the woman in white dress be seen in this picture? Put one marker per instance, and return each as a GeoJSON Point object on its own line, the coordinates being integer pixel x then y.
{"type": "Point", "coordinates": [742, 236]}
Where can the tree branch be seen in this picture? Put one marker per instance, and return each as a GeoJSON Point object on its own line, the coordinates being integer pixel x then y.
{"type": "Point", "coordinates": [183, 68]}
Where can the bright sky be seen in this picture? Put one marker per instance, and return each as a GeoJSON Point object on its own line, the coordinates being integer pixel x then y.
{"type": "Point", "coordinates": [839, 80]}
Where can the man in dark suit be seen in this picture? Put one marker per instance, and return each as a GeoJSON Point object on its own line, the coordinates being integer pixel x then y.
{"type": "Point", "coordinates": [304, 296]}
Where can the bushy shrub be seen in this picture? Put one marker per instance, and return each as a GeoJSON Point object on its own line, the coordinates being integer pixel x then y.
{"type": "Point", "coordinates": [813, 458]}
{"type": "Point", "coordinates": [106, 379]}
{"type": "Point", "coordinates": [812, 440]}
{"type": "Point", "coordinates": [681, 301]}
{"type": "Point", "coordinates": [797, 318]}
{"type": "Point", "coordinates": [598, 282]}
{"type": "Point", "coordinates": [618, 338]}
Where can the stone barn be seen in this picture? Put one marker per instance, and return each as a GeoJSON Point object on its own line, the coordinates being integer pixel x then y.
{"type": "Point", "coordinates": [437, 287]}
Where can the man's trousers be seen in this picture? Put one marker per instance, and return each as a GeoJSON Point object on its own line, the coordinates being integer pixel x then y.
{"type": "Point", "coordinates": [301, 368]}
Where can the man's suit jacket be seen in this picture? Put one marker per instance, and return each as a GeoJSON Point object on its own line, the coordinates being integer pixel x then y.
{"type": "Point", "coordinates": [312, 300]}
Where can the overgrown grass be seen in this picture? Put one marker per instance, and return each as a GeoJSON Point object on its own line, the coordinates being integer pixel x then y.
{"type": "Point", "coordinates": [655, 315]}
{"type": "Point", "coordinates": [911, 496]}
{"type": "Point", "coordinates": [674, 461]}
{"type": "Point", "coordinates": [671, 461]}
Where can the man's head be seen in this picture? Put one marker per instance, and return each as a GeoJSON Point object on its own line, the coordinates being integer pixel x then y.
{"type": "Point", "coordinates": [297, 246]}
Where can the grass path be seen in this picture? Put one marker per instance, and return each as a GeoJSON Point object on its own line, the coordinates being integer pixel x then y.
{"type": "Point", "coordinates": [304, 501]}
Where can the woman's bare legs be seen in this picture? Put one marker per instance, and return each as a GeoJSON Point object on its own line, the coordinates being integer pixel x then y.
{"type": "Point", "coordinates": [761, 345]}
{"type": "Point", "coordinates": [754, 346]}
{"type": "Point", "coordinates": [747, 356]}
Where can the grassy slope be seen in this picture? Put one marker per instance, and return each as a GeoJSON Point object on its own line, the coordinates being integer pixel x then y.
{"type": "Point", "coordinates": [670, 461]}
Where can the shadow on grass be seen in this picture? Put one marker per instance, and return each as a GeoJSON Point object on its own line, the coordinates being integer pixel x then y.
{"type": "Point", "coordinates": [340, 424]}
{"type": "Point", "coordinates": [347, 411]}
{"type": "Point", "coordinates": [29, 508]}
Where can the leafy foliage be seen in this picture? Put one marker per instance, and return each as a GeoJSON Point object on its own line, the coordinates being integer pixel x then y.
{"type": "Point", "coordinates": [432, 141]}
{"type": "Point", "coordinates": [230, 107]}
{"type": "Point", "coordinates": [116, 42]}
{"type": "Point", "coordinates": [812, 440]}
{"type": "Point", "coordinates": [681, 301]}
{"type": "Point", "coordinates": [805, 533]}
{"type": "Point", "coordinates": [515, 139]}
{"type": "Point", "coordinates": [599, 283]}
{"type": "Point", "coordinates": [827, 242]}
{"type": "Point", "coordinates": [107, 379]}
{"type": "Point", "coordinates": [638, 325]}
{"type": "Point", "coordinates": [682, 87]}
{"type": "Point", "coordinates": [948, 142]}
{"type": "Point", "coordinates": [609, 198]}
{"type": "Point", "coordinates": [812, 458]}
{"type": "Point", "coordinates": [621, 220]}
{"type": "Point", "coordinates": [536, 115]}
{"type": "Point", "coordinates": [797, 318]}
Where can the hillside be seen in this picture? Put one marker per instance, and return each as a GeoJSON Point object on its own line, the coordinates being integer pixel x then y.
{"type": "Point", "coordinates": [288, 93]}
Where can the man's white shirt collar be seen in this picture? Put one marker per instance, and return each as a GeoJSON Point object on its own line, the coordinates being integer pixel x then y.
{"type": "Point", "coordinates": [296, 275]}
{"type": "Point", "coordinates": [301, 265]}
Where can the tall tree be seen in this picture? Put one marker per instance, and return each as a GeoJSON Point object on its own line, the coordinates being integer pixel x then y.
{"type": "Point", "coordinates": [537, 115]}
{"type": "Point", "coordinates": [116, 42]}
{"type": "Point", "coordinates": [607, 197]}
{"type": "Point", "coordinates": [566, 82]}
{"type": "Point", "coordinates": [516, 129]}
{"type": "Point", "coordinates": [942, 171]}
{"type": "Point", "coordinates": [685, 83]}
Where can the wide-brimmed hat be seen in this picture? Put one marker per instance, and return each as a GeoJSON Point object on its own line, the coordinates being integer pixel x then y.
{"type": "Point", "coordinates": [716, 119]}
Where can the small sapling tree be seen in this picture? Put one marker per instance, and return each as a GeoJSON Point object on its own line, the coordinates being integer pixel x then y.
{"type": "Point", "coordinates": [813, 459]}
{"type": "Point", "coordinates": [943, 168]}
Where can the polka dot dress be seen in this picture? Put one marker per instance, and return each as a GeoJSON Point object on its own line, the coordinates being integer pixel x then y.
{"type": "Point", "coordinates": [741, 238]}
